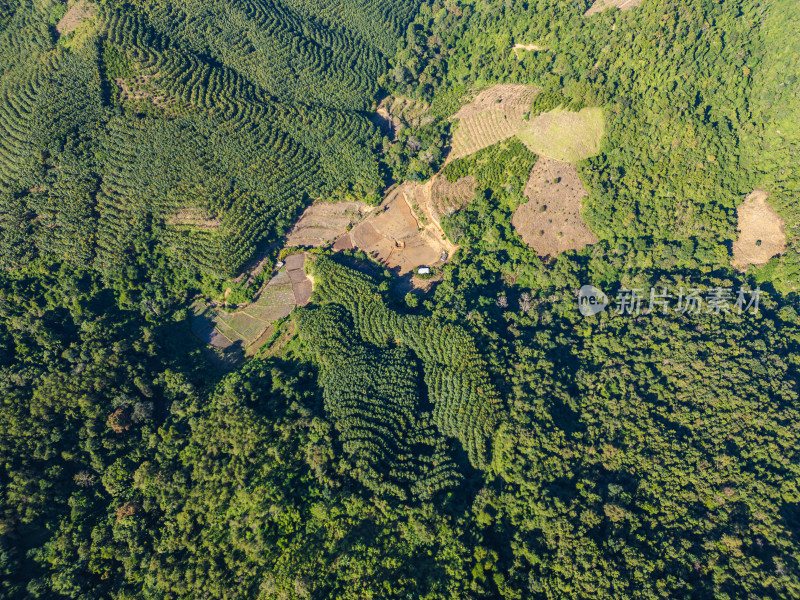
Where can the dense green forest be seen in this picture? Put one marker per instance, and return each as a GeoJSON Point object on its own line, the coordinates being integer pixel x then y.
{"type": "Point", "coordinates": [483, 440]}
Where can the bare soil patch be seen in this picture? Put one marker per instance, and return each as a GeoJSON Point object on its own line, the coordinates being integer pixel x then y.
{"type": "Point", "coordinates": [294, 262]}
{"type": "Point", "coordinates": [80, 11]}
{"type": "Point", "coordinates": [512, 98]}
{"type": "Point", "coordinates": [396, 221]}
{"type": "Point", "coordinates": [343, 243]}
{"type": "Point", "coordinates": [550, 221]}
{"type": "Point", "coordinates": [323, 222]}
{"type": "Point", "coordinates": [762, 232]}
{"type": "Point", "coordinates": [401, 234]}
{"type": "Point", "coordinates": [528, 48]}
{"type": "Point", "coordinates": [365, 237]}
{"type": "Point", "coordinates": [302, 292]}
{"type": "Point", "coordinates": [601, 5]}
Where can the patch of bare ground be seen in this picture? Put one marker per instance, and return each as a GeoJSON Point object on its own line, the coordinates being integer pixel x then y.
{"type": "Point", "coordinates": [550, 221]}
{"type": "Point", "coordinates": [762, 232]}
{"type": "Point", "coordinates": [528, 48]}
{"type": "Point", "coordinates": [401, 234]}
{"type": "Point", "coordinates": [78, 12]}
{"type": "Point", "coordinates": [601, 5]}
{"type": "Point", "coordinates": [495, 114]}
{"type": "Point", "coordinates": [323, 222]}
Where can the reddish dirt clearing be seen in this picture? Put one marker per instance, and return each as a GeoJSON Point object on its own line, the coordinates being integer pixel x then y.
{"type": "Point", "coordinates": [323, 222]}
{"type": "Point", "coordinates": [762, 232]}
{"type": "Point", "coordinates": [550, 222]}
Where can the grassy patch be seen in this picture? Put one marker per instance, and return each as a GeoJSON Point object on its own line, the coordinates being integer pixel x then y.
{"type": "Point", "coordinates": [563, 135]}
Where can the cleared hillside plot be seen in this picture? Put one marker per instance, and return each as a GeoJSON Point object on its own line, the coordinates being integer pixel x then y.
{"type": "Point", "coordinates": [138, 89]}
{"type": "Point", "coordinates": [601, 5]}
{"type": "Point", "coordinates": [399, 109]}
{"type": "Point", "coordinates": [494, 115]}
{"type": "Point", "coordinates": [498, 113]}
{"type": "Point", "coordinates": [527, 48]}
{"type": "Point", "coordinates": [244, 329]}
{"type": "Point", "coordinates": [401, 234]}
{"type": "Point", "coordinates": [564, 135]}
{"type": "Point", "coordinates": [323, 222]}
{"type": "Point", "coordinates": [762, 232]}
{"type": "Point", "coordinates": [78, 12]}
{"type": "Point", "coordinates": [550, 221]}
{"type": "Point", "coordinates": [388, 123]}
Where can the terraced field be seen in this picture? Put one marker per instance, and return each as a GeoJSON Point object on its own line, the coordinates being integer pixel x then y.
{"type": "Point", "coordinates": [245, 328]}
{"type": "Point", "coordinates": [323, 222]}
{"type": "Point", "coordinates": [401, 233]}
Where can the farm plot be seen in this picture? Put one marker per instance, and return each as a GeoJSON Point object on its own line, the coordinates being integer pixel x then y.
{"type": "Point", "coordinates": [498, 114]}
{"type": "Point", "coordinates": [223, 330]}
{"type": "Point", "coordinates": [601, 5]}
{"type": "Point", "coordinates": [446, 197]}
{"type": "Point", "coordinates": [762, 232]}
{"type": "Point", "coordinates": [550, 221]}
{"type": "Point", "coordinates": [494, 115]}
{"type": "Point", "coordinates": [563, 135]}
{"type": "Point", "coordinates": [323, 222]}
{"type": "Point", "coordinates": [401, 234]}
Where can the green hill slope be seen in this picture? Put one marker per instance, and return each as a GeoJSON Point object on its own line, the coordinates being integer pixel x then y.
{"type": "Point", "coordinates": [239, 112]}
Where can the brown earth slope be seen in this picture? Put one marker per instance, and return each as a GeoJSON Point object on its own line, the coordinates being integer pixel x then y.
{"type": "Point", "coordinates": [550, 221]}
{"type": "Point", "coordinates": [762, 232]}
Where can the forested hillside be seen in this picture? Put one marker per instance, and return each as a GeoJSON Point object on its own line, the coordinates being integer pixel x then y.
{"type": "Point", "coordinates": [463, 432]}
{"type": "Point", "coordinates": [654, 456]}
{"type": "Point", "coordinates": [113, 132]}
